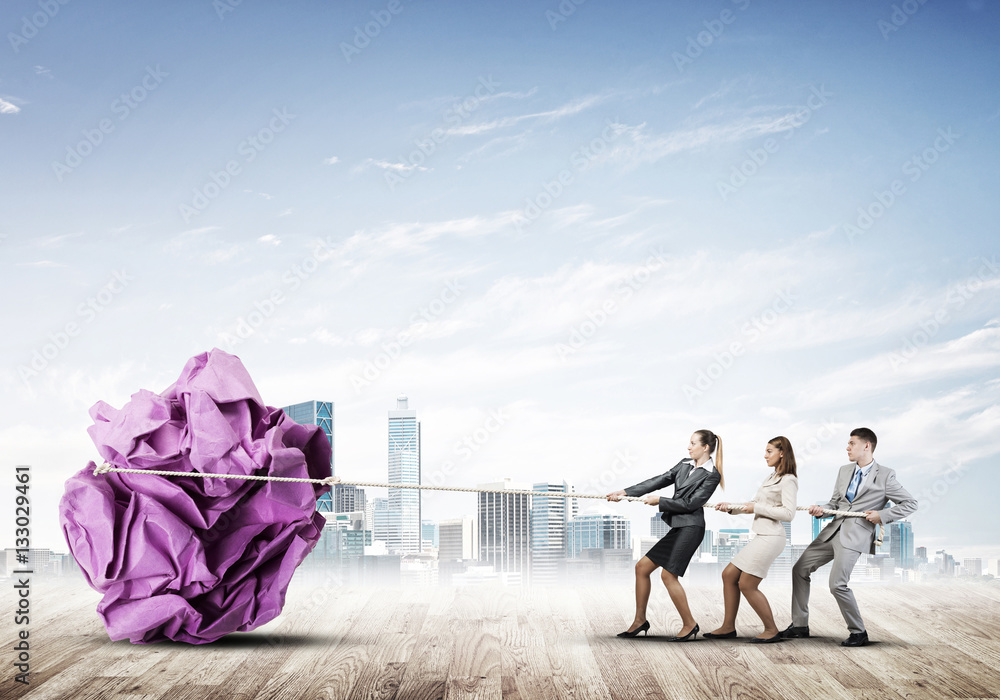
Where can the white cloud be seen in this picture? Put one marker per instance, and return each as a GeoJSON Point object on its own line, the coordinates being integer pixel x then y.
{"type": "Point", "coordinates": [42, 263]}
{"type": "Point", "coordinates": [634, 144]}
{"type": "Point", "coordinates": [270, 239]}
{"type": "Point", "coordinates": [568, 109]}
{"type": "Point", "coordinates": [387, 165]}
{"type": "Point", "coordinates": [8, 107]}
{"type": "Point", "coordinates": [332, 160]}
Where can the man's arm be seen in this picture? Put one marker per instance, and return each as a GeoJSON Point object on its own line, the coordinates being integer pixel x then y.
{"type": "Point", "coordinates": [698, 498]}
{"type": "Point", "coordinates": [832, 503]}
{"type": "Point", "coordinates": [904, 503]}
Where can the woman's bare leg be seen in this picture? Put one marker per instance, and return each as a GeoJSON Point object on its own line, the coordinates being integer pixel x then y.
{"type": "Point", "coordinates": [731, 595]}
{"type": "Point", "coordinates": [679, 598]}
{"type": "Point", "coordinates": [758, 601]}
{"type": "Point", "coordinates": [644, 568]}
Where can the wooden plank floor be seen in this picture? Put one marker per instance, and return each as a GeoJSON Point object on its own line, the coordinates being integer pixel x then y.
{"type": "Point", "coordinates": [933, 641]}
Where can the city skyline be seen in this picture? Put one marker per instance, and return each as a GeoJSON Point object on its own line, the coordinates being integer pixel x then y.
{"type": "Point", "coordinates": [574, 237]}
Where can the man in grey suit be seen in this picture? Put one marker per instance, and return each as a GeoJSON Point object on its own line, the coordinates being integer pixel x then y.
{"type": "Point", "coordinates": [863, 486]}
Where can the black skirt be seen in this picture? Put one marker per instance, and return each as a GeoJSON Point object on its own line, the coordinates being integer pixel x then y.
{"type": "Point", "coordinates": [674, 551]}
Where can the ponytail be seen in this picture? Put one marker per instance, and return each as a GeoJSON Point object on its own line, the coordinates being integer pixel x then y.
{"type": "Point", "coordinates": [718, 462]}
{"type": "Point", "coordinates": [714, 443]}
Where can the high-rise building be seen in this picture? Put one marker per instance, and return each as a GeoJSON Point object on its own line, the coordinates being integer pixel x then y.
{"type": "Point", "coordinates": [818, 523]}
{"type": "Point", "coordinates": [317, 413]}
{"type": "Point", "coordinates": [900, 534]}
{"type": "Point", "coordinates": [347, 499]}
{"type": "Point", "coordinates": [707, 540]}
{"type": "Point", "coordinates": [377, 519]}
{"type": "Point", "coordinates": [404, 468]}
{"type": "Point", "coordinates": [657, 527]}
{"type": "Point", "coordinates": [972, 567]}
{"type": "Point", "coordinates": [598, 532]}
{"type": "Point", "coordinates": [549, 516]}
{"type": "Point", "coordinates": [458, 539]}
{"type": "Point", "coordinates": [503, 528]}
{"type": "Point", "coordinates": [730, 542]}
{"type": "Point", "coordinates": [429, 532]}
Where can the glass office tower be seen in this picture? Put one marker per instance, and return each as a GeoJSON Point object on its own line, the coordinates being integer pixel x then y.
{"type": "Point", "coordinates": [404, 468]}
{"type": "Point", "coordinates": [317, 413]}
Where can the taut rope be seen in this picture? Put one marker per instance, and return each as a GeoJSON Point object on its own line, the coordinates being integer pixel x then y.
{"type": "Point", "coordinates": [106, 468]}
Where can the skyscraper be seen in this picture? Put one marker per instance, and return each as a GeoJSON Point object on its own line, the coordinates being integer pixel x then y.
{"type": "Point", "coordinates": [347, 499]}
{"type": "Point", "coordinates": [377, 519]}
{"type": "Point", "coordinates": [458, 539]}
{"type": "Point", "coordinates": [503, 528]}
{"type": "Point", "coordinates": [429, 532]}
{"type": "Point", "coordinates": [404, 468]}
{"type": "Point", "coordinates": [900, 535]}
{"type": "Point", "coordinates": [657, 527]}
{"type": "Point", "coordinates": [317, 413]}
{"type": "Point", "coordinates": [549, 516]}
{"type": "Point", "coordinates": [611, 531]}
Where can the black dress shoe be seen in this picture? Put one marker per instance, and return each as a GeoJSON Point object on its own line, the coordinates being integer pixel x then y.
{"type": "Point", "coordinates": [724, 635]}
{"type": "Point", "coordinates": [644, 628]}
{"type": "Point", "coordinates": [766, 640]}
{"type": "Point", "coordinates": [687, 637]}
{"type": "Point", "coordinates": [793, 632]}
{"type": "Point", "coordinates": [857, 639]}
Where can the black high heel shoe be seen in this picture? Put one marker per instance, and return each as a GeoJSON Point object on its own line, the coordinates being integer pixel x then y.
{"type": "Point", "coordinates": [724, 635]}
{"type": "Point", "coordinates": [687, 637]}
{"type": "Point", "coordinates": [644, 628]}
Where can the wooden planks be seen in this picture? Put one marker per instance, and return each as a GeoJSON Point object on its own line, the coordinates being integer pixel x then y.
{"type": "Point", "coordinates": [931, 641]}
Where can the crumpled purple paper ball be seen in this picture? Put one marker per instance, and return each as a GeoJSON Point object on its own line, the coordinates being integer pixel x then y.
{"type": "Point", "coordinates": [186, 558]}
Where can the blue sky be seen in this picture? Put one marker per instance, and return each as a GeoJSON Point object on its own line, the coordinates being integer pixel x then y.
{"type": "Point", "coordinates": [609, 226]}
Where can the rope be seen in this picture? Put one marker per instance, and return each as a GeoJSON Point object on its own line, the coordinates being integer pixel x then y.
{"type": "Point", "coordinates": [330, 481]}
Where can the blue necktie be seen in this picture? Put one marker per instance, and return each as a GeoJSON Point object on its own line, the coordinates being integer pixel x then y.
{"type": "Point", "coordinates": [852, 490]}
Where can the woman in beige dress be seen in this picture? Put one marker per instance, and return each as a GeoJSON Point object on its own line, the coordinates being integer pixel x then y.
{"type": "Point", "coordinates": [774, 503]}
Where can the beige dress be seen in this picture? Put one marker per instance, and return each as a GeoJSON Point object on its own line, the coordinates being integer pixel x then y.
{"type": "Point", "coordinates": [774, 503]}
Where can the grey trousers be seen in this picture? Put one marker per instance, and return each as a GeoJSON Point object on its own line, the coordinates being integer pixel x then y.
{"type": "Point", "coordinates": [816, 555]}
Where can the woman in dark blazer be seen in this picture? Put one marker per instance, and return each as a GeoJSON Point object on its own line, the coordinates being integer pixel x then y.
{"type": "Point", "coordinates": [694, 481]}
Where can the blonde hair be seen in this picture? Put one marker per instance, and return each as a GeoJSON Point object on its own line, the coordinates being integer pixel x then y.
{"type": "Point", "coordinates": [714, 444]}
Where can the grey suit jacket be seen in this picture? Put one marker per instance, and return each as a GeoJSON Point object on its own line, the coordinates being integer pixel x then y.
{"type": "Point", "coordinates": [881, 487]}
{"type": "Point", "coordinates": [692, 489]}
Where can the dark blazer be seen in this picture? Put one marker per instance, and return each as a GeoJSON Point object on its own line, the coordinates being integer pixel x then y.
{"type": "Point", "coordinates": [691, 492]}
